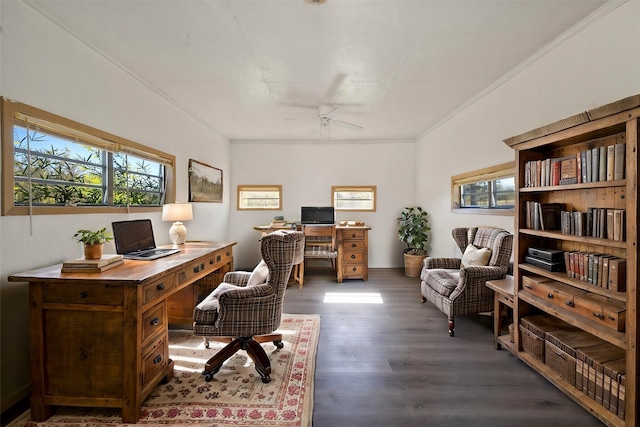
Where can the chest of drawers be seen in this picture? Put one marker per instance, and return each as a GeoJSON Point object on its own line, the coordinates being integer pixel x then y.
{"type": "Point", "coordinates": [353, 253]}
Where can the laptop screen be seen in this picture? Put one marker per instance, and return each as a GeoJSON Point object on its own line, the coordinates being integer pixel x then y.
{"type": "Point", "coordinates": [134, 235]}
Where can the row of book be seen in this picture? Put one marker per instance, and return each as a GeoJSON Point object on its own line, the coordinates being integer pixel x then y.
{"type": "Point", "coordinates": [604, 223]}
{"type": "Point", "coordinates": [543, 216]}
{"type": "Point", "coordinates": [606, 163]}
{"type": "Point", "coordinates": [605, 271]}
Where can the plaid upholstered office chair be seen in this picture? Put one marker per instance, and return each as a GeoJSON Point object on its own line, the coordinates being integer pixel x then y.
{"type": "Point", "coordinates": [457, 285]}
{"type": "Point", "coordinates": [247, 307]}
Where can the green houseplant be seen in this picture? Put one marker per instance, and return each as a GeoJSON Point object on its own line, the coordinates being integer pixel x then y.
{"type": "Point", "coordinates": [412, 230]}
{"type": "Point", "coordinates": [93, 241]}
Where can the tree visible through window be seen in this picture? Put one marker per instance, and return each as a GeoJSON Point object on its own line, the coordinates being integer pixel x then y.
{"type": "Point", "coordinates": [60, 163]}
{"type": "Point", "coordinates": [354, 198]}
{"type": "Point", "coordinates": [259, 197]}
{"type": "Point", "coordinates": [489, 189]}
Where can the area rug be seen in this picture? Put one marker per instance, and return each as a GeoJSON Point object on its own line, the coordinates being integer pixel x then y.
{"type": "Point", "coordinates": [234, 397]}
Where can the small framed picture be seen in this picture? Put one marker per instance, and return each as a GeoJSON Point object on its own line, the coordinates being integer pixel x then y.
{"type": "Point", "coordinates": [205, 182]}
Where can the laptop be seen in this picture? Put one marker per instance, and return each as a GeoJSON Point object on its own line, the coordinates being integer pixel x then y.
{"type": "Point", "coordinates": [134, 240]}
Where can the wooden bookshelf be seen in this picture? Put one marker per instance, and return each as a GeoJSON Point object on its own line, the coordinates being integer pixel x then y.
{"type": "Point", "coordinates": [609, 125]}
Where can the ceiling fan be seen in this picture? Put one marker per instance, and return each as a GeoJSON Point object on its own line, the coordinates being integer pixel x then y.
{"type": "Point", "coordinates": [328, 117]}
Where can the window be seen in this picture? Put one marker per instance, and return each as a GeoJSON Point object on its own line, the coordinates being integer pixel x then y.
{"type": "Point", "coordinates": [259, 197]}
{"type": "Point", "coordinates": [490, 190]}
{"type": "Point", "coordinates": [60, 166]}
{"type": "Point", "coordinates": [354, 198]}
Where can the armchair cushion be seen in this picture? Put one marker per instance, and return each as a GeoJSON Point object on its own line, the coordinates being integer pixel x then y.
{"type": "Point", "coordinates": [259, 274]}
{"type": "Point", "coordinates": [475, 256]}
{"type": "Point", "coordinates": [443, 281]}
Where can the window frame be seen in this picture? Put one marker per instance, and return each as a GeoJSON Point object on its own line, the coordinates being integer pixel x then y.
{"type": "Point", "coordinates": [94, 137]}
{"type": "Point", "coordinates": [258, 187]}
{"type": "Point", "coordinates": [354, 188]}
{"type": "Point", "coordinates": [491, 173]}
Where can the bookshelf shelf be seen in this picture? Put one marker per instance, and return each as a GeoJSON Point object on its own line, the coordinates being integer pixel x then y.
{"type": "Point", "coordinates": [581, 186]}
{"type": "Point", "coordinates": [573, 238]}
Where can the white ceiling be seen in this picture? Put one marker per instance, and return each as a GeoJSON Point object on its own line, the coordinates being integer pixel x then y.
{"type": "Point", "coordinates": [260, 69]}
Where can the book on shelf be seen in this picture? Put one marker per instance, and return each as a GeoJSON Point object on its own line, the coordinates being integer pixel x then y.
{"type": "Point", "coordinates": [583, 162]}
{"type": "Point", "coordinates": [588, 162]}
{"type": "Point", "coordinates": [611, 149]}
{"type": "Point", "coordinates": [106, 259]}
{"type": "Point", "coordinates": [92, 269]}
{"type": "Point", "coordinates": [617, 274]}
{"type": "Point", "coordinates": [618, 224]}
{"type": "Point", "coordinates": [568, 170]}
{"type": "Point", "coordinates": [602, 167]}
{"type": "Point", "coordinates": [595, 164]}
{"type": "Point", "coordinates": [618, 161]}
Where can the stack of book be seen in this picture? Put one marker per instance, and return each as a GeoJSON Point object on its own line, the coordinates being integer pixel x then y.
{"type": "Point", "coordinates": [83, 265]}
{"type": "Point", "coordinates": [605, 271]}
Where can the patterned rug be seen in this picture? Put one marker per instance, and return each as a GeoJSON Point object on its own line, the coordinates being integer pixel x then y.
{"type": "Point", "coordinates": [235, 397]}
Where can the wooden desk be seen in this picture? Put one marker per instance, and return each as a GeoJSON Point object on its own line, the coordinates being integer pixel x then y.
{"type": "Point", "coordinates": [353, 252]}
{"type": "Point", "coordinates": [503, 295]}
{"type": "Point", "coordinates": [101, 340]}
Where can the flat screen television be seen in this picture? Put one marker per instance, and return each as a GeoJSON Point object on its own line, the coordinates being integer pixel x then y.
{"type": "Point", "coordinates": [317, 215]}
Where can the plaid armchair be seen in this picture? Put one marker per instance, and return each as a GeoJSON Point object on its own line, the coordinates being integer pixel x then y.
{"type": "Point", "coordinates": [247, 307]}
{"type": "Point", "coordinates": [459, 288]}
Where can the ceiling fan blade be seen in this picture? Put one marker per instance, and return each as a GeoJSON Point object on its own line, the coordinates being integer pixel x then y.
{"type": "Point", "coordinates": [348, 125]}
{"type": "Point", "coordinates": [336, 111]}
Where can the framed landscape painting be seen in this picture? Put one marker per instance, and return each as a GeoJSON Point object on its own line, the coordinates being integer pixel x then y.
{"type": "Point", "coordinates": [205, 182]}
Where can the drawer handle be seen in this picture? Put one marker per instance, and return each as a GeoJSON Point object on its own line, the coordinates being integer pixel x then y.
{"type": "Point", "coordinates": [196, 268]}
{"type": "Point", "coordinates": [528, 286]}
{"type": "Point", "coordinates": [355, 269]}
{"type": "Point", "coordinates": [218, 258]}
{"type": "Point", "coordinates": [211, 262]}
{"type": "Point", "coordinates": [550, 295]}
{"type": "Point", "coordinates": [155, 321]}
{"type": "Point", "coordinates": [353, 235]}
{"type": "Point", "coordinates": [598, 315]}
{"type": "Point", "coordinates": [83, 294]}
{"type": "Point", "coordinates": [353, 245]}
{"type": "Point", "coordinates": [353, 256]}
{"type": "Point", "coordinates": [160, 287]}
{"type": "Point", "coordinates": [228, 253]}
{"type": "Point", "coordinates": [569, 303]}
{"type": "Point", "coordinates": [157, 359]}
{"type": "Point", "coordinates": [202, 266]}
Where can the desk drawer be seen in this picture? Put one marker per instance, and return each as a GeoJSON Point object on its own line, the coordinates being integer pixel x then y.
{"type": "Point", "coordinates": [506, 300]}
{"type": "Point", "coordinates": [156, 289]}
{"type": "Point", "coordinates": [222, 257]}
{"type": "Point", "coordinates": [353, 235]}
{"type": "Point", "coordinates": [352, 270]}
{"type": "Point", "coordinates": [75, 293]}
{"type": "Point", "coordinates": [154, 320]}
{"type": "Point", "coordinates": [353, 257]}
{"type": "Point", "coordinates": [155, 360]}
{"type": "Point", "coordinates": [354, 245]}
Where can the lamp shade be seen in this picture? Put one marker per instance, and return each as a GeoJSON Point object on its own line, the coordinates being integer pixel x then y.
{"type": "Point", "coordinates": [177, 212]}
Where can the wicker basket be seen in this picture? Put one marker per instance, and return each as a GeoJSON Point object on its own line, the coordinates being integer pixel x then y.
{"type": "Point", "coordinates": [560, 362]}
{"type": "Point", "coordinates": [532, 344]}
{"type": "Point", "coordinates": [413, 265]}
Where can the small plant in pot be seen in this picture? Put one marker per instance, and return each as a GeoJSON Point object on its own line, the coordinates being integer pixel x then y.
{"type": "Point", "coordinates": [413, 228]}
{"type": "Point", "coordinates": [93, 241]}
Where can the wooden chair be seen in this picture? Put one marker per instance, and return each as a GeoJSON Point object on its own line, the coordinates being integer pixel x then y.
{"type": "Point", "coordinates": [320, 244]}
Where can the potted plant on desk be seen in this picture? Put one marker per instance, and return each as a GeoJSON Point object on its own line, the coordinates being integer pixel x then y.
{"type": "Point", "coordinates": [413, 228]}
{"type": "Point", "coordinates": [93, 241]}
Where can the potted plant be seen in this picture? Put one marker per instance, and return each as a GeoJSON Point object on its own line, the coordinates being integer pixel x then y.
{"type": "Point", "coordinates": [413, 228]}
{"type": "Point", "coordinates": [93, 241]}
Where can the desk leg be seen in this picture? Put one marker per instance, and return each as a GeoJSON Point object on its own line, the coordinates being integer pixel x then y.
{"type": "Point", "coordinates": [497, 320]}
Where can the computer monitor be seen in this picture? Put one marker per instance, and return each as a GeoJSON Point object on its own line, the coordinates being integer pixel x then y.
{"type": "Point", "coordinates": [317, 215]}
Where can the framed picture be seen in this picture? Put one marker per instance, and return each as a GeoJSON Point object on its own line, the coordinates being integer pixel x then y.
{"type": "Point", "coordinates": [205, 182]}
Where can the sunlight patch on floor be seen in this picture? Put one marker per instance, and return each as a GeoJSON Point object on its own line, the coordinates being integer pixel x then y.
{"type": "Point", "coordinates": [353, 298]}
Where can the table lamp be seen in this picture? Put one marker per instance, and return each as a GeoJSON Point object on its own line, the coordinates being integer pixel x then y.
{"type": "Point", "coordinates": [177, 212]}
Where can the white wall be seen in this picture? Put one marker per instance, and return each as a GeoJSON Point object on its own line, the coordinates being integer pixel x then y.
{"type": "Point", "coordinates": [43, 66]}
{"type": "Point", "coordinates": [307, 171]}
{"type": "Point", "coordinates": [594, 66]}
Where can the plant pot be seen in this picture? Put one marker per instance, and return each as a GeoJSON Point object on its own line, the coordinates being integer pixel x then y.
{"type": "Point", "coordinates": [413, 265]}
{"type": "Point", "coordinates": [93, 251]}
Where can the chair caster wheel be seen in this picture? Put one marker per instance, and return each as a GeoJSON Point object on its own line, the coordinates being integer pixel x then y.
{"type": "Point", "coordinates": [208, 375]}
{"type": "Point", "coordinates": [278, 344]}
{"type": "Point", "coordinates": [451, 333]}
{"type": "Point", "coordinates": [266, 379]}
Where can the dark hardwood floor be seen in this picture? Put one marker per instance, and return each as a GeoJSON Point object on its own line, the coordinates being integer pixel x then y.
{"type": "Point", "coordinates": [394, 364]}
